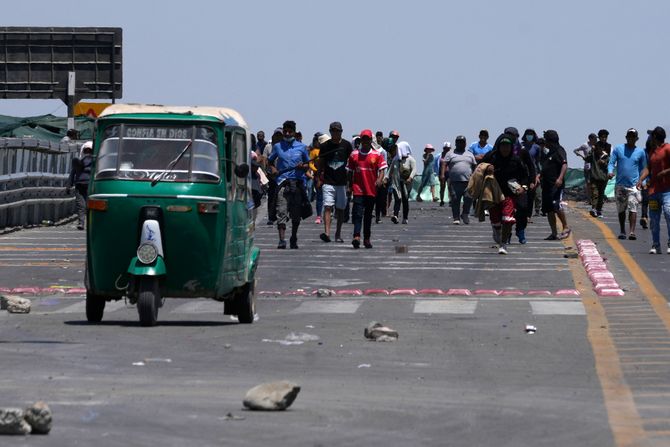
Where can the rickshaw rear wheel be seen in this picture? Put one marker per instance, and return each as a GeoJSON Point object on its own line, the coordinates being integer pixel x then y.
{"type": "Point", "coordinates": [147, 301]}
{"type": "Point", "coordinates": [247, 304]}
{"type": "Point", "coordinates": [95, 308]}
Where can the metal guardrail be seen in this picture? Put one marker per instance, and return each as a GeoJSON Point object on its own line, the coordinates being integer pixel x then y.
{"type": "Point", "coordinates": [33, 176]}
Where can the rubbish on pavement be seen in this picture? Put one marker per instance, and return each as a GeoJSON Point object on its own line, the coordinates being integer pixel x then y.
{"type": "Point", "coordinates": [15, 304]}
{"type": "Point", "coordinates": [401, 249]}
{"type": "Point", "coordinates": [232, 417]}
{"type": "Point", "coordinates": [157, 360]}
{"type": "Point", "coordinates": [39, 417]}
{"type": "Point", "coordinates": [530, 329]}
{"type": "Point", "coordinates": [324, 292]}
{"type": "Point", "coordinates": [273, 396]}
{"type": "Point", "coordinates": [378, 332]}
{"type": "Point", "coordinates": [364, 365]}
{"type": "Point", "coordinates": [12, 422]}
{"type": "Point", "coordinates": [138, 363]}
{"type": "Point", "coordinates": [294, 338]}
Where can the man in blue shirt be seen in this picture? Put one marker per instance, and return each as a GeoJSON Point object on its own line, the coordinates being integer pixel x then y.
{"type": "Point", "coordinates": [290, 160]}
{"type": "Point", "coordinates": [481, 147]}
{"type": "Point", "coordinates": [629, 161]}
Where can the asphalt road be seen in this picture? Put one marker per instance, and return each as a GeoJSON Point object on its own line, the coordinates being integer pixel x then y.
{"type": "Point", "coordinates": [463, 372]}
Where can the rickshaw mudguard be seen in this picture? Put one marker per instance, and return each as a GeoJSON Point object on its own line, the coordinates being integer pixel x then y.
{"type": "Point", "coordinates": [156, 268]}
{"type": "Point", "coordinates": [253, 262]}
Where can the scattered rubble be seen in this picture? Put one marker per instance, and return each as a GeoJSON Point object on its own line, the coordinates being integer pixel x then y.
{"type": "Point", "coordinates": [15, 304]}
{"type": "Point", "coordinates": [273, 396]}
{"type": "Point", "coordinates": [39, 417]}
{"type": "Point", "coordinates": [12, 422]}
{"type": "Point", "coordinates": [232, 417]}
{"type": "Point", "coordinates": [325, 292]}
{"type": "Point", "coordinates": [378, 332]}
{"type": "Point", "coordinates": [530, 329]}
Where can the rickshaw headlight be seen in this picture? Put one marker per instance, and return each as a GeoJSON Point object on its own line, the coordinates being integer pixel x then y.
{"type": "Point", "coordinates": [147, 253]}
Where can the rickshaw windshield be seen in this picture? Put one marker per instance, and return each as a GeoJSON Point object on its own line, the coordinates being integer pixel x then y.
{"type": "Point", "coordinates": [144, 153]}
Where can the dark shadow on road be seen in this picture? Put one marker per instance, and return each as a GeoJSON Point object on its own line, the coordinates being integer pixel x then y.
{"type": "Point", "coordinates": [159, 324]}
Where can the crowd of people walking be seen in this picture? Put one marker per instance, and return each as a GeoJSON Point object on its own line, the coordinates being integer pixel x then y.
{"type": "Point", "coordinates": [510, 181]}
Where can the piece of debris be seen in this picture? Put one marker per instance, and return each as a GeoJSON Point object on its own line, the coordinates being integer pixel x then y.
{"type": "Point", "coordinates": [157, 360]}
{"type": "Point", "coordinates": [378, 332]}
{"type": "Point", "coordinates": [302, 336]}
{"type": "Point", "coordinates": [530, 329]}
{"type": "Point", "coordinates": [273, 396]}
{"type": "Point", "coordinates": [364, 365]}
{"type": "Point", "coordinates": [325, 292]}
{"type": "Point", "coordinates": [232, 417]}
{"type": "Point", "coordinates": [15, 304]}
{"type": "Point", "coordinates": [12, 422]}
{"type": "Point", "coordinates": [39, 417]}
{"type": "Point", "coordinates": [138, 363]}
{"type": "Point", "coordinates": [401, 249]}
{"type": "Point", "coordinates": [571, 255]}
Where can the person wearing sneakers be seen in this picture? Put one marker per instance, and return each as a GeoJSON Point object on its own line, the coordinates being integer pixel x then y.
{"type": "Point", "coordinates": [401, 175]}
{"type": "Point", "coordinates": [627, 162]}
{"type": "Point", "coordinates": [443, 173]}
{"type": "Point", "coordinates": [553, 166]}
{"type": "Point", "coordinates": [289, 160]}
{"type": "Point", "coordinates": [366, 168]}
{"type": "Point", "coordinates": [332, 169]}
{"type": "Point", "coordinates": [598, 161]}
{"type": "Point", "coordinates": [511, 175]}
{"type": "Point", "coordinates": [658, 173]}
{"type": "Point", "coordinates": [314, 191]}
{"type": "Point", "coordinates": [461, 164]}
{"type": "Point", "coordinates": [427, 173]}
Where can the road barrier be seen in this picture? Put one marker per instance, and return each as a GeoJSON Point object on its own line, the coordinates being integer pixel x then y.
{"type": "Point", "coordinates": [33, 177]}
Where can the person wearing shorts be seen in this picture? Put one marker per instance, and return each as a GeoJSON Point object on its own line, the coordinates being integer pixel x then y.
{"type": "Point", "coordinates": [627, 162]}
{"type": "Point", "coordinates": [332, 170]}
{"type": "Point", "coordinates": [553, 166]}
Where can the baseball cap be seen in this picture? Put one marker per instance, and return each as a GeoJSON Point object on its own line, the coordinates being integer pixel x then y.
{"type": "Point", "coordinates": [631, 131]}
{"type": "Point", "coordinates": [506, 141]}
{"type": "Point", "coordinates": [658, 132]}
{"type": "Point", "coordinates": [460, 138]}
{"type": "Point", "coordinates": [446, 144]}
{"type": "Point", "coordinates": [278, 130]}
{"type": "Point", "coordinates": [366, 133]}
{"type": "Point", "coordinates": [394, 133]}
{"type": "Point", "coordinates": [323, 138]}
{"type": "Point", "coordinates": [336, 125]}
{"type": "Point", "coordinates": [88, 146]}
{"type": "Point", "coordinates": [429, 147]}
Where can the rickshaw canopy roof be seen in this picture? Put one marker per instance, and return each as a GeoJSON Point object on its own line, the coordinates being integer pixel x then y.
{"type": "Point", "coordinates": [227, 116]}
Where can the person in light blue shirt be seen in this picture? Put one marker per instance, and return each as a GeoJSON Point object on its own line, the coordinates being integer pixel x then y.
{"type": "Point", "coordinates": [627, 162]}
{"type": "Point", "coordinates": [290, 161]}
{"type": "Point", "coordinates": [481, 147]}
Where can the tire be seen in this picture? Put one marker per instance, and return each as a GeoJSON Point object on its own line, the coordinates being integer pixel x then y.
{"type": "Point", "coordinates": [147, 301]}
{"type": "Point", "coordinates": [95, 308]}
{"type": "Point", "coordinates": [246, 305]}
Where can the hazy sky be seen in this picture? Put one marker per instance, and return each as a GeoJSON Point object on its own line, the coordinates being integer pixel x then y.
{"type": "Point", "coordinates": [431, 70]}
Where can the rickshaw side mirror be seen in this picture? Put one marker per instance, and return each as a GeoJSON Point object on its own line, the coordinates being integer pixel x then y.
{"type": "Point", "coordinates": [242, 170]}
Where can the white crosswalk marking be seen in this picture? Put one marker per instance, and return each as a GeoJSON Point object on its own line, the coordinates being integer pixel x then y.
{"type": "Point", "coordinates": [557, 308]}
{"type": "Point", "coordinates": [80, 307]}
{"type": "Point", "coordinates": [445, 307]}
{"type": "Point", "coordinates": [199, 307]}
{"type": "Point", "coordinates": [327, 307]}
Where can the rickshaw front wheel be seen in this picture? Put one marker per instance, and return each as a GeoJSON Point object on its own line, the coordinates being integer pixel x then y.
{"type": "Point", "coordinates": [147, 301]}
{"type": "Point", "coordinates": [247, 304]}
{"type": "Point", "coordinates": [95, 308]}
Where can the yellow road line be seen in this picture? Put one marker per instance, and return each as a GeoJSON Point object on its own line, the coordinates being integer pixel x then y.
{"type": "Point", "coordinates": [655, 298]}
{"type": "Point", "coordinates": [623, 417]}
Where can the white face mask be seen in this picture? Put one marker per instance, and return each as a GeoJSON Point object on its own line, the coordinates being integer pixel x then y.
{"type": "Point", "coordinates": [289, 139]}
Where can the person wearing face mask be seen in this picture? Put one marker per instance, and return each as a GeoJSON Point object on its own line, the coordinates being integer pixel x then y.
{"type": "Point", "coordinates": [289, 161]}
{"type": "Point", "coordinates": [524, 202]}
{"type": "Point", "coordinates": [277, 136]}
{"type": "Point", "coordinates": [554, 165]}
{"type": "Point", "coordinates": [511, 175]}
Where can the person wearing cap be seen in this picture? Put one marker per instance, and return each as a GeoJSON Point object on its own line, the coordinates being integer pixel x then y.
{"type": "Point", "coordinates": [400, 176]}
{"type": "Point", "coordinates": [584, 152]}
{"type": "Point", "coordinates": [603, 134]}
{"type": "Point", "coordinates": [366, 168]}
{"type": "Point", "coordinates": [658, 174]}
{"type": "Point", "coordinates": [627, 162]}
{"type": "Point", "coordinates": [510, 174]}
{"type": "Point", "coordinates": [313, 188]}
{"type": "Point", "coordinates": [80, 175]}
{"type": "Point", "coordinates": [481, 147]}
{"type": "Point", "coordinates": [598, 161]}
{"type": "Point", "coordinates": [443, 170]}
{"type": "Point", "coordinates": [553, 166]}
{"type": "Point", "coordinates": [427, 173]}
{"type": "Point", "coordinates": [332, 171]}
{"type": "Point", "coordinates": [461, 163]}
{"type": "Point", "coordinates": [277, 136]}
{"type": "Point", "coordinates": [289, 161]}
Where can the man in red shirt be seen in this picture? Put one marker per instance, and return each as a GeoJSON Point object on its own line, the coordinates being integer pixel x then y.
{"type": "Point", "coordinates": [658, 172]}
{"type": "Point", "coordinates": [365, 168]}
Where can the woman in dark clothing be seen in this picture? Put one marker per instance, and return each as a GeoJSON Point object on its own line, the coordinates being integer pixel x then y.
{"type": "Point", "coordinates": [512, 176]}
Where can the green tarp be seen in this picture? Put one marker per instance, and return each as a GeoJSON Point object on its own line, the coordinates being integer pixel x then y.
{"type": "Point", "coordinates": [45, 127]}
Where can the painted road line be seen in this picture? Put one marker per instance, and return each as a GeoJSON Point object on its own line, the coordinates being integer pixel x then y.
{"type": "Point", "coordinates": [327, 307]}
{"type": "Point", "coordinates": [624, 419]}
{"type": "Point", "coordinates": [80, 308]}
{"type": "Point", "coordinates": [199, 307]}
{"type": "Point", "coordinates": [554, 308]}
{"type": "Point", "coordinates": [445, 307]}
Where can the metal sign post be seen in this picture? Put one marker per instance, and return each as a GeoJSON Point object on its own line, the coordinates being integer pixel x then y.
{"type": "Point", "coordinates": [71, 101]}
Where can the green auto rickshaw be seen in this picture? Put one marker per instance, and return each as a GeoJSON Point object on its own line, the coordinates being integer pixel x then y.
{"type": "Point", "coordinates": [168, 212]}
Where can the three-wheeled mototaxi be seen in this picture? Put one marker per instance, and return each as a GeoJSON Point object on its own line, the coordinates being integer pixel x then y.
{"type": "Point", "coordinates": [168, 211]}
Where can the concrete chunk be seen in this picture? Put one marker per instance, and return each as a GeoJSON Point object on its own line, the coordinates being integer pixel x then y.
{"type": "Point", "coordinates": [273, 396]}
{"type": "Point", "coordinates": [12, 422]}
